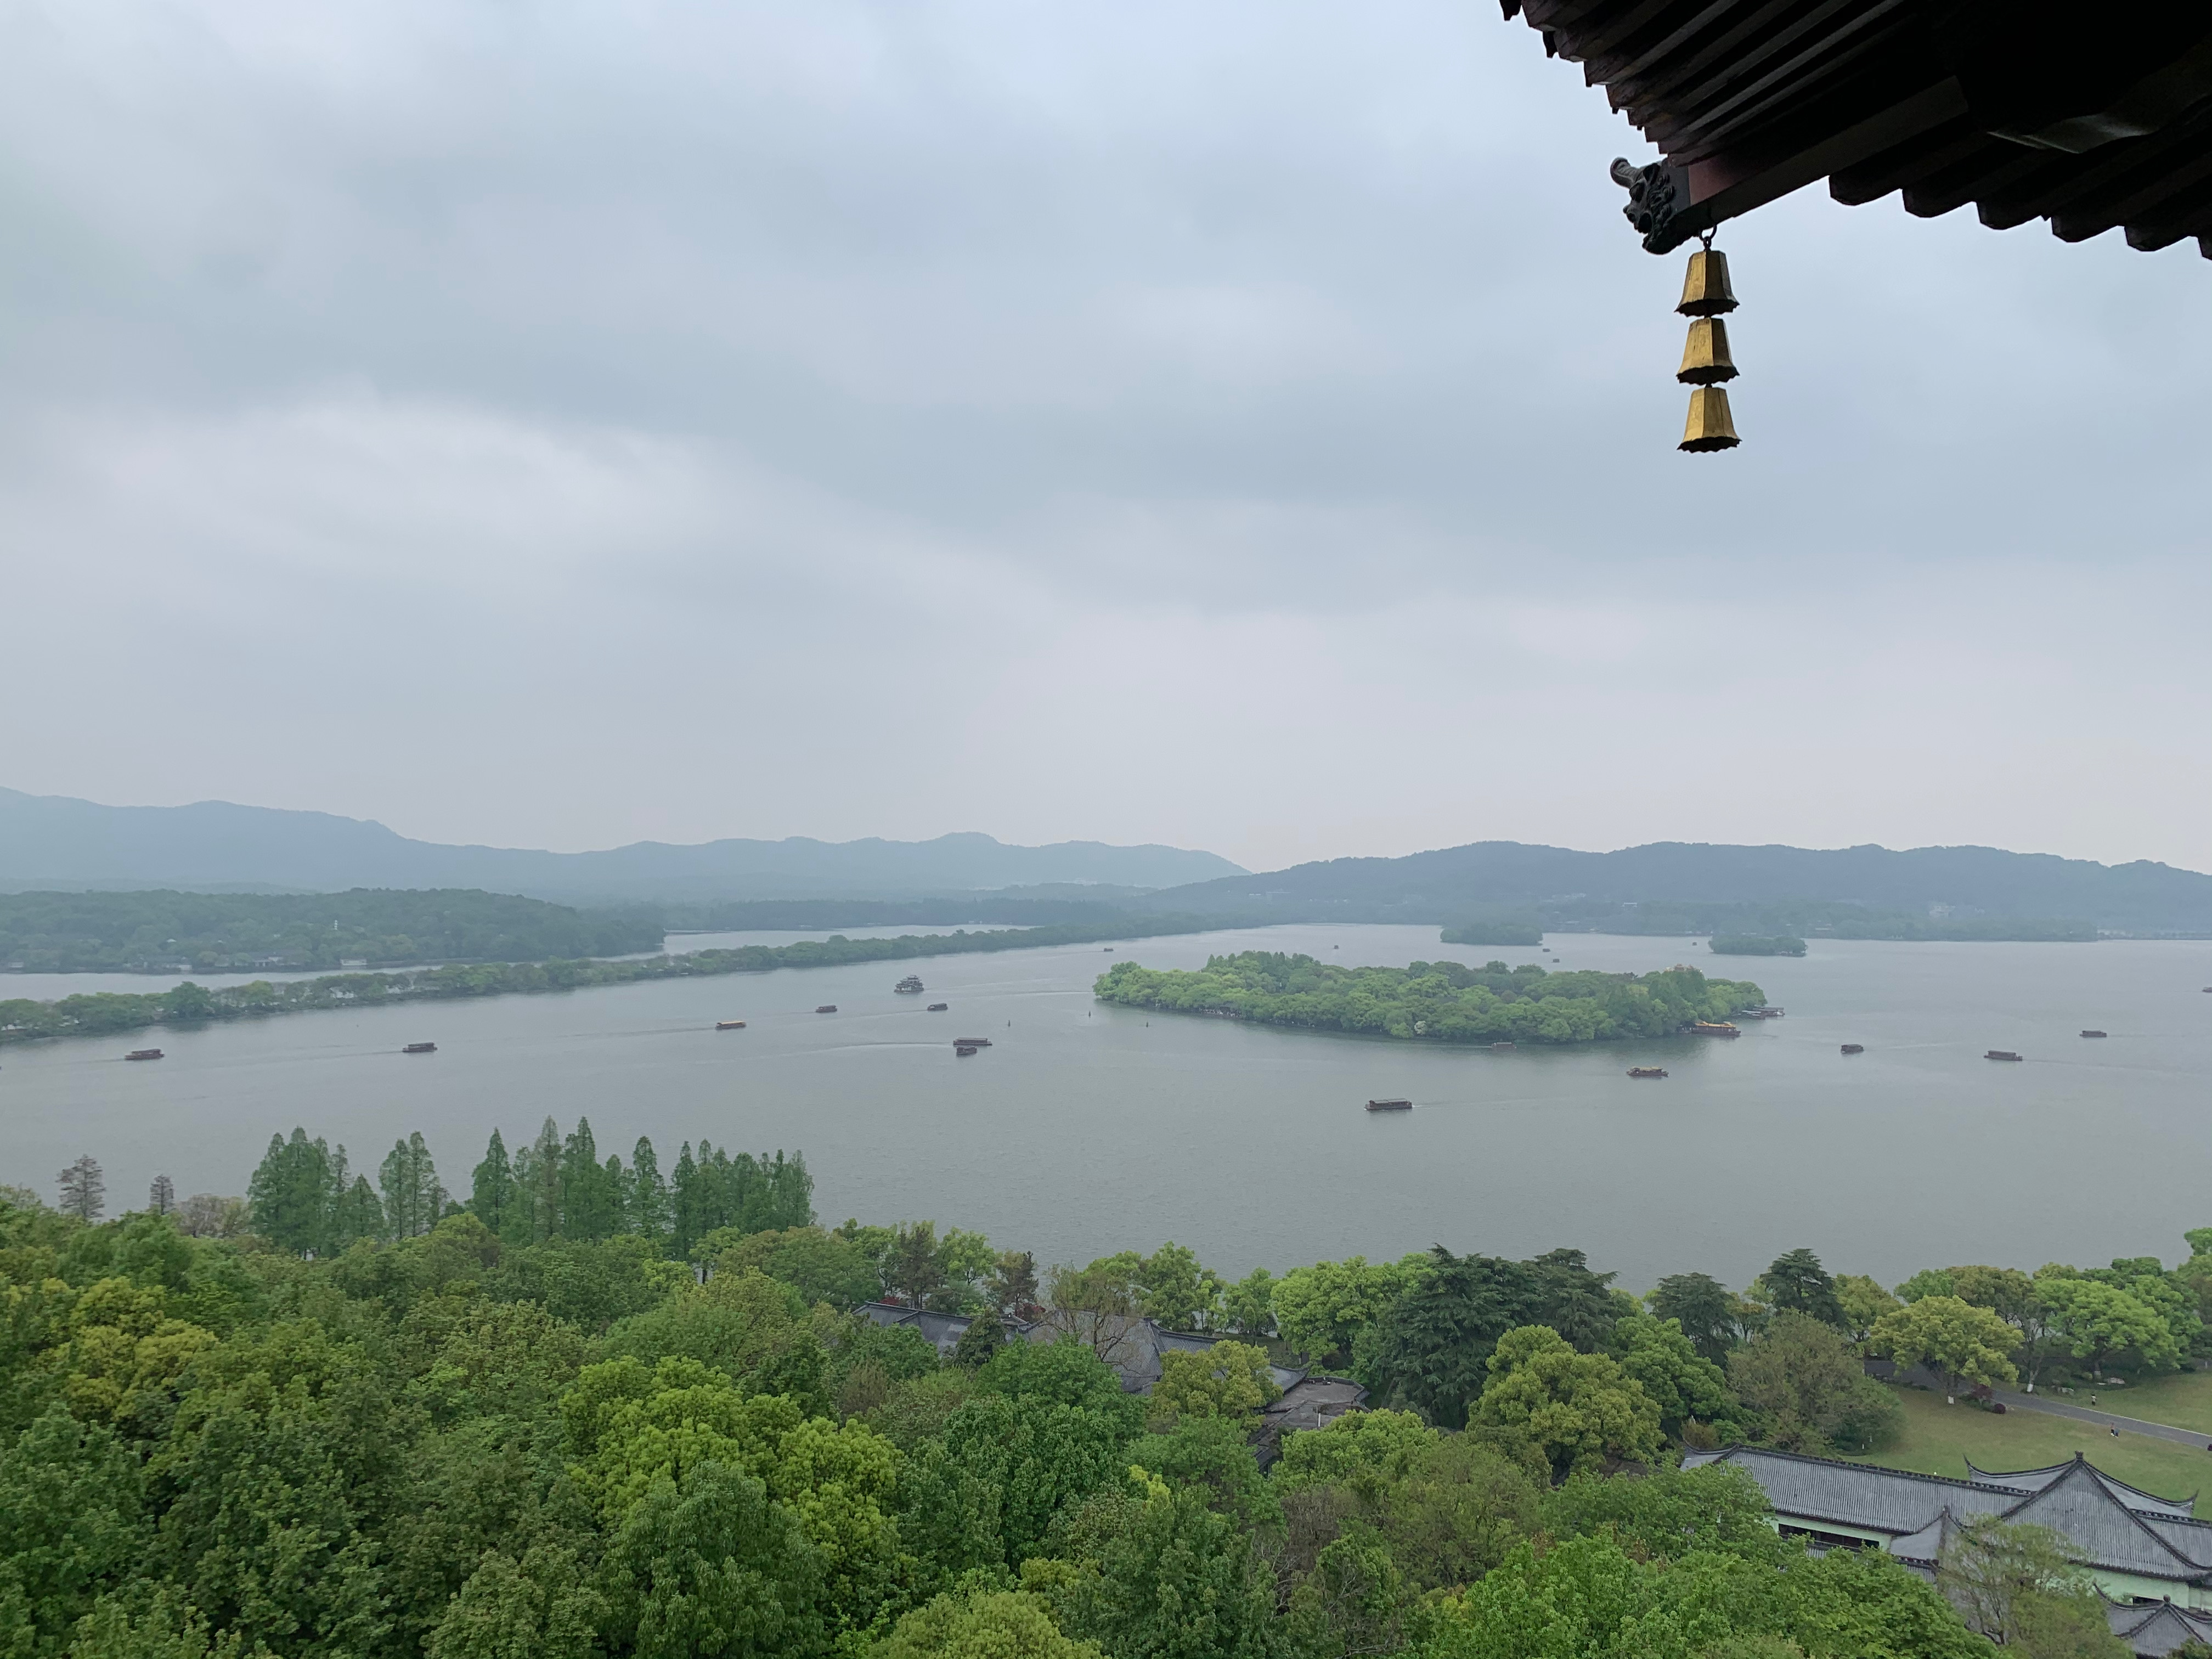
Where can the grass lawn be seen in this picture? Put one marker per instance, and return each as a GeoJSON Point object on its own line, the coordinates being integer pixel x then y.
{"type": "Point", "coordinates": [1940, 1438]}
{"type": "Point", "coordinates": [2183, 1400]}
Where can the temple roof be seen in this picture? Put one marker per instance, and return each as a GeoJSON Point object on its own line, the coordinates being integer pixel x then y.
{"type": "Point", "coordinates": [2107, 1522]}
{"type": "Point", "coordinates": [2092, 117]}
{"type": "Point", "coordinates": [2161, 1628]}
{"type": "Point", "coordinates": [2134, 1496]}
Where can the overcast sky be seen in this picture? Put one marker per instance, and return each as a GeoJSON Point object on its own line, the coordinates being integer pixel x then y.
{"type": "Point", "coordinates": [1241, 423]}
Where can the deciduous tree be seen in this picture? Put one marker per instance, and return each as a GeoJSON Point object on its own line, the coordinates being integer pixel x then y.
{"type": "Point", "coordinates": [2096, 1321]}
{"type": "Point", "coordinates": [709, 1566]}
{"type": "Point", "coordinates": [1230, 1380]}
{"type": "Point", "coordinates": [1965, 1343]}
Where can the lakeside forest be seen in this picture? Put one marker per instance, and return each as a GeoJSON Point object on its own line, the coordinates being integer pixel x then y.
{"type": "Point", "coordinates": [1442, 1001]}
{"type": "Point", "coordinates": [48, 933]}
{"type": "Point", "coordinates": [591, 1413]}
{"type": "Point", "coordinates": [93, 1014]}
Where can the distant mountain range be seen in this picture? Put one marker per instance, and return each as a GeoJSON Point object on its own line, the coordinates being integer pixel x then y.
{"type": "Point", "coordinates": [53, 841]}
{"type": "Point", "coordinates": [1958, 885]}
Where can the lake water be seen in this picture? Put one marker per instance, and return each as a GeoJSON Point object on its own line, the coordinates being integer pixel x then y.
{"type": "Point", "coordinates": [1085, 1129]}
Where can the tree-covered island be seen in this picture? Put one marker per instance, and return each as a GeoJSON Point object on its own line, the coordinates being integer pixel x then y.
{"type": "Point", "coordinates": [1755, 944]}
{"type": "Point", "coordinates": [96, 1013]}
{"type": "Point", "coordinates": [1440, 1002]}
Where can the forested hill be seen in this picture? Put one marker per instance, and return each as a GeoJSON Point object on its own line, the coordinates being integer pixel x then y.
{"type": "Point", "coordinates": [52, 840]}
{"type": "Point", "coordinates": [1569, 888]}
{"type": "Point", "coordinates": [212, 932]}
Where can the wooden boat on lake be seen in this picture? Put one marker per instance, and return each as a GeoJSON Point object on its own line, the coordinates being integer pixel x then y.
{"type": "Point", "coordinates": [938, 1008]}
{"type": "Point", "coordinates": [827, 1008]}
{"type": "Point", "coordinates": [143, 1054]}
{"type": "Point", "coordinates": [972, 1043]}
{"type": "Point", "coordinates": [908, 987]}
{"type": "Point", "coordinates": [1389, 1105]}
{"type": "Point", "coordinates": [2000, 1054]}
{"type": "Point", "coordinates": [419, 1049]}
{"type": "Point", "coordinates": [964, 1050]}
{"type": "Point", "coordinates": [1646, 1071]}
{"type": "Point", "coordinates": [729, 1025]}
{"type": "Point", "coordinates": [2092, 1034]}
{"type": "Point", "coordinates": [1716, 1028]}
{"type": "Point", "coordinates": [1501, 1047]}
{"type": "Point", "coordinates": [1855, 1047]}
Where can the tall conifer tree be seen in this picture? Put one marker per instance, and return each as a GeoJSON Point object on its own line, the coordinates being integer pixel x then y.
{"type": "Point", "coordinates": [491, 1187]}
{"type": "Point", "coordinates": [687, 1230]}
{"type": "Point", "coordinates": [358, 1215]}
{"type": "Point", "coordinates": [413, 1199]}
{"type": "Point", "coordinates": [649, 1216]}
{"type": "Point", "coordinates": [544, 1193]}
{"type": "Point", "coordinates": [588, 1210]}
{"type": "Point", "coordinates": [290, 1196]}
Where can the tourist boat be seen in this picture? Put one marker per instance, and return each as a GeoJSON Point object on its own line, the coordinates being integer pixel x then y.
{"type": "Point", "coordinates": [908, 987]}
{"type": "Point", "coordinates": [1855, 1047]}
{"type": "Point", "coordinates": [419, 1049]}
{"type": "Point", "coordinates": [143, 1054]}
{"type": "Point", "coordinates": [938, 1008]}
{"type": "Point", "coordinates": [827, 1008]}
{"type": "Point", "coordinates": [1714, 1028]}
{"type": "Point", "coordinates": [974, 1042]}
{"type": "Point", "coordinates": [1501, 1047]}
{"type": "Point", "coordinates": [2092, 1034]}
{"type": "Point", "coordinates": [2000, 1054]}
{"type": "Point", "coordinates": [1389, 1105]}
{"type": "Point", "coordinates": [729, 1025]}
{"type": "Point", "coordinates": [1646, 1071]}
{"type": "Point", "coordinates": [1766, 1012]}
{"type": "Point", "coordinates": [964, 1050]}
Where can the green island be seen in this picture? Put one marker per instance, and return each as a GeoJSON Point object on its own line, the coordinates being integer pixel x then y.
{"type": "Point", "coordinates": [1434, 1001]}
{"type": "Point", "coordinates": [1494, 932]}
{"type": "Point", "coordinates": [93, 1014]}
{"type": "Point", "coordinates": [597, 1407]}
{"type": "Point", "coordinates": [1755, 944]}
{"type": "Point", "coordinates": [45, 932]}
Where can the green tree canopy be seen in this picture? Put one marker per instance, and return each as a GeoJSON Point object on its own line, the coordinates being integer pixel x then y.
{"type": "Point", "coordinates": [1583, 1409]}
{"type": "Point", "coordinates": [1963, 1343]}
{"type": "Point", "coordinates": [709, 1564]}
{"type": "Point", "coordinates": [1796, 1282]}
{"type": "Point", "coordinates": [1432, 1349]}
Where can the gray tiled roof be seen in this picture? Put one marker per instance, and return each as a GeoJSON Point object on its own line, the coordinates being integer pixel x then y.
{"type": "Point", "coordinates": [2154, 1631]}
{"type": "Point", "coordinates": [1892, 1501]}
{"type": "Point", "coordinates": [2135, 1498]}
{"type": "Point", "coordinates": [2108, 1523]}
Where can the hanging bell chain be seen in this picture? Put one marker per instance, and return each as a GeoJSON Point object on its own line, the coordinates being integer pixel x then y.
{"type": "Point", "coordinates": [1706, 296]}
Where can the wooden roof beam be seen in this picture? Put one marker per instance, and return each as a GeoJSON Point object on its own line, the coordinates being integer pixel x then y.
{"type": "Point", "coordinates": [2188, 214]}
{"type": "Point", "coordinates": [1908, 163]}
{"type": "Point", "coordinates": [1657, 70]}
{"type": "Point", "coordinates": [2112, 171]}
{"type": "Point", "coordinates": [1726, 187]}
{"type": "Point", "coordinates": [2153, 200]}
{"type": "Point", "coordinates": [1714, 125]}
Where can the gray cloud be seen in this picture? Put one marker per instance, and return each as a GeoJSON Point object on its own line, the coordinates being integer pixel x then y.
{"type": "Point", "coordinates": [1248, 426]}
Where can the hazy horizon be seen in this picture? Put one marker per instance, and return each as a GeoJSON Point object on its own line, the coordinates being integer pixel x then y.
{"type": "Point", "coordinates": [1248, 868]}
{"type": "Point", "coordinates": [1239, 427]}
